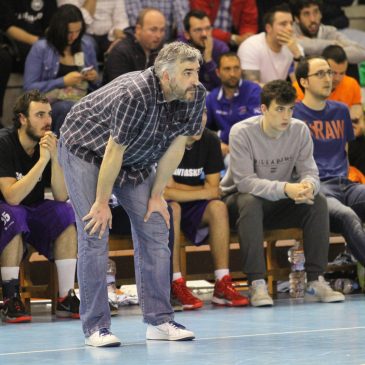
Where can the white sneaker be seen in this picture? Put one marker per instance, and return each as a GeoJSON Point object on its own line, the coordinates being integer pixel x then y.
{"type": "Point", "coordinates": [102, 338]}
{"type": "Point", "coordinates": [259, 294]}
{"type": "Point", "coordinates": [320, 291]}
{"type": "Point", "coordinates": [169, 331]}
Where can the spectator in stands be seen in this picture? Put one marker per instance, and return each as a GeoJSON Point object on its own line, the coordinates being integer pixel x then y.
{"type": "Point", "coordinates": [173, 10]}
{"type": "Point", "coordinates": [55, 65]}
{"type": "Point", "coordinates": [233, 20]}
{"type": "Point", "coordinates": [198, 33]}
{"type": "Point", "coordinates": [269, 55]}
{"type": "Point", "coordinates": [105, 21]}
{"type": "Point", "coordinates": [194, 196]}
{"type": "Point", "coordinates": [151, 112]}
{"type": "Point", "coordinates": [314, 36]}
{"type": "Point", "coordinates": [272, 183]}
{"type": "Point", "coordinates": [236, 100]}
{"type": "Point", "coordinates": [28, 152]}
{"type": "Point", "coordinates": [344, 88]}
{"type": "Point", "coordinates": [139, 48]}
{"type": "Point", "coordinates": [331, 129]}
{"type": "Point", "coordinates": [22, 23]}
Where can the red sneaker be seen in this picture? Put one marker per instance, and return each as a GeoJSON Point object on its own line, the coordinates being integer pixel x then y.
{"type": "Point", "coordinates": [184, 295]}
{"type": "Point", "coordinates": [226, 294]}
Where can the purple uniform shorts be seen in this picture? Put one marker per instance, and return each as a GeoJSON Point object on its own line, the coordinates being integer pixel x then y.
{"type": "Point", "coordinates": [40, 223]}
{"type": "Point", "coordinates": [191, 217]}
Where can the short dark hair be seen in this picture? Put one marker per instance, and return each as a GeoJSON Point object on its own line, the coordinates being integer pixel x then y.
{"type": "Point", "coordinates": [226, 54]}
{"type": "Point", "coordinates": [280, 90]}
{"type": "Point", "coordinates": [336, 53]}
{"type": "Point", "coordinates": [302, 69]}
{"type": "Point", "coordinates": [200, 14]}
{"type": "Point", "coordinates": [297, 5]}
{"type": "Point", "coordinates": [269, 16]}
{"type": "Point", "coordinates": [57, 32]}
{"type": "Point", "coordinates": [22, 104]}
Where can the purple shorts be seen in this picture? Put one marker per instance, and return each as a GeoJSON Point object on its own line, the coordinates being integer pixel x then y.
{"type": "Point", "coordinates": [40, 223]}
{"type": "Point", "coordinates": [191, 217]}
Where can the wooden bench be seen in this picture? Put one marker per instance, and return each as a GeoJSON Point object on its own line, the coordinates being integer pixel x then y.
{"type": "Point", "coordinates": [122, 245]}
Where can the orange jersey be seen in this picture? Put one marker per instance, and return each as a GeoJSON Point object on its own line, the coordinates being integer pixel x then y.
{"type": "Point", "coordinates": [347, 91]}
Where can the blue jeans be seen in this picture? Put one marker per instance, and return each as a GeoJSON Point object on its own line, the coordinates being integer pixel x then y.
{"type": "Point", "coordinates": [346, 206]}
{"type": "Point", "coordinates": [151, 252]}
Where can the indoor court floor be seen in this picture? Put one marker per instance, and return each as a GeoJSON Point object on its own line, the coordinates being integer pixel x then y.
{"type": "Point", "coordinates": [291, 332]}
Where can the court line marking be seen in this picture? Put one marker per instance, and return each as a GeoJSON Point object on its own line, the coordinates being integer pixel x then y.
{"type": "Point", "coordinates": [197, 340]}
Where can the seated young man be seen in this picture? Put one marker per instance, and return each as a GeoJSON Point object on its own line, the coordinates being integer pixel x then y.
{"type": "Point", "coordinates": [272, 182]}
{"type": "Point", "coordinates": [331, 128]}
{"type": "Point", "coordinates": [199, 212]}
{"type": "Point", "coordinates": [28, 153]}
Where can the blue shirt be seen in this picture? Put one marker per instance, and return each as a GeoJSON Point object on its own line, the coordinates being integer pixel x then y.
{"type": "Point", "coordinates": [331, 129]}
{"type": "Point", "coordinates": [224, 113]}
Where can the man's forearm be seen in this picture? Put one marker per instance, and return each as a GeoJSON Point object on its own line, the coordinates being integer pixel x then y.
{"type": "Point", "coordinates": [109, 170]}
{"type": "Point", "coordinates": [21, 35]}
{"type": "Point", "coordinates": [58, 184]}
{"type": "Point", "coordinates": [167, 164]}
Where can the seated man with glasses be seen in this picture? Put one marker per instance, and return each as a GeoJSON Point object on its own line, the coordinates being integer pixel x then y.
{"type": "Point", "coordinates": [331, 129]}
{"type": "Point", "coordinates": [198, 33]}
{"type": "Point", "coordinates": [344, 88]}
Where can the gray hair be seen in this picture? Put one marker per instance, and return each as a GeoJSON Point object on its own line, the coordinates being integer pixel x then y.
{"type": "Point", "coordinates": [173, 53]}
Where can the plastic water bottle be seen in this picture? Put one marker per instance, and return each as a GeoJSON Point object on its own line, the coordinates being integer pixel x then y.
{"type": "Point", "coordinates": [345, 286]}
{"type": "Point", "coordinates": [297, 276]}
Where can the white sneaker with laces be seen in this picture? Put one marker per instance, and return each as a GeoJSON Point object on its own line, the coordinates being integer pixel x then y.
{"type": "Point", "coordinates": [259, 294]}
{"type": "Point", "coordinates": [102, 338]}
{"type": "Point", "coordinates": [320, 291]}
{"type": "Point", "coordinates": [169, 331]}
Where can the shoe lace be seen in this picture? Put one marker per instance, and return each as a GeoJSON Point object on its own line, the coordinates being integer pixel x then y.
{"type": "Point", "coordinates": [17, 305]}
{"type": "Point", "coordinates": [104, 332]}
{"type": "Point", "coordinates": [183, 290]}
{"type": "Point", "coordinates": [176, 325]}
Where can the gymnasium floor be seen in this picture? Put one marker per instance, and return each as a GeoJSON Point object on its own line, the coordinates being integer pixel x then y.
{"type": "Point", "coordinates": [292, 332]}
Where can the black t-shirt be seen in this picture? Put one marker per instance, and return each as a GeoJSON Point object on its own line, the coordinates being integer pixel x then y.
{"type": "Point", "coordinates": [30, 15]}
{"type": "Point", "coordinates": [15, 162]}
{"type": "Point", "coordinates": [204, 158]}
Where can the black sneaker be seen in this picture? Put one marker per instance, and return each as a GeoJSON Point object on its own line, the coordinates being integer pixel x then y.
{"type": "Point", "coordinates": [68, 306]}
{"type": "Point", "coordinates": [175, 304]}
{"type": "Point", "coordinates": [13, 311]}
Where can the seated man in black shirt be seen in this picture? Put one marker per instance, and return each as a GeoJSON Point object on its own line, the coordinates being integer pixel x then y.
{"type": "Point", "coordinates": [139, 48]}
{"type": "Point", "coordinates": [198, 211]}
{"type": "Point", "coordinates": [28, 153]}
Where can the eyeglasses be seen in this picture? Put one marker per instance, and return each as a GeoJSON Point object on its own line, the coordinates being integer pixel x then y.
{"type": "Point", "coordinates": [321, 74]}
{"type": "Point", "coordinates": [201, 30]}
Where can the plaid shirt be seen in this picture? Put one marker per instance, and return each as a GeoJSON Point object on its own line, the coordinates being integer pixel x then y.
{"type": "Point", "coordinates": [224, 19]}
{"type": "Point", "coordinates": [133, 110]}
{"type": "Point", "coordinates": [174, 11]}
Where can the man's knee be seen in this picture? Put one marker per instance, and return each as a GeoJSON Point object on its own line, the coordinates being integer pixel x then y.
{"type": "Point", "coordinates": [217, 209]}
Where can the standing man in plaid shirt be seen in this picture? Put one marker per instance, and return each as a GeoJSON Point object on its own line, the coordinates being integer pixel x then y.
{"type": "Point", "coordinates": [111, 141]}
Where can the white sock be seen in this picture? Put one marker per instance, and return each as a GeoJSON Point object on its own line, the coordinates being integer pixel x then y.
{"type": "Point", "coordinates": [9, 273]}
{"type": "Point", "coordinates": [66, 275]}
{"type": "Point", "coordinates": [220, 273]}
{"type": "Point", "coordinates": [176, 275]}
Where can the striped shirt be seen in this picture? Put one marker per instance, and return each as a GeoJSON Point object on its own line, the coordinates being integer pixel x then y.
{"type": "Point", "coordinates": [132, 109]}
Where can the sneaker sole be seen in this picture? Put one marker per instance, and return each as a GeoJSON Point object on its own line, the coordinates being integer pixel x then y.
{"type": "Point", "coordinates": [111, 344]}
{"type": "Point", "coordinates": [65, 315]}
{"type": "Point", "coordinates": [187, 338]}
{"type": "Point", "coordinates": [263, 303]}
{"type": "Point", "coordinates": [24, 319]}
{"type": "Point", "coordinates": [226, 303]}
{"type": "Point", "coordinates": [188, 307]}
